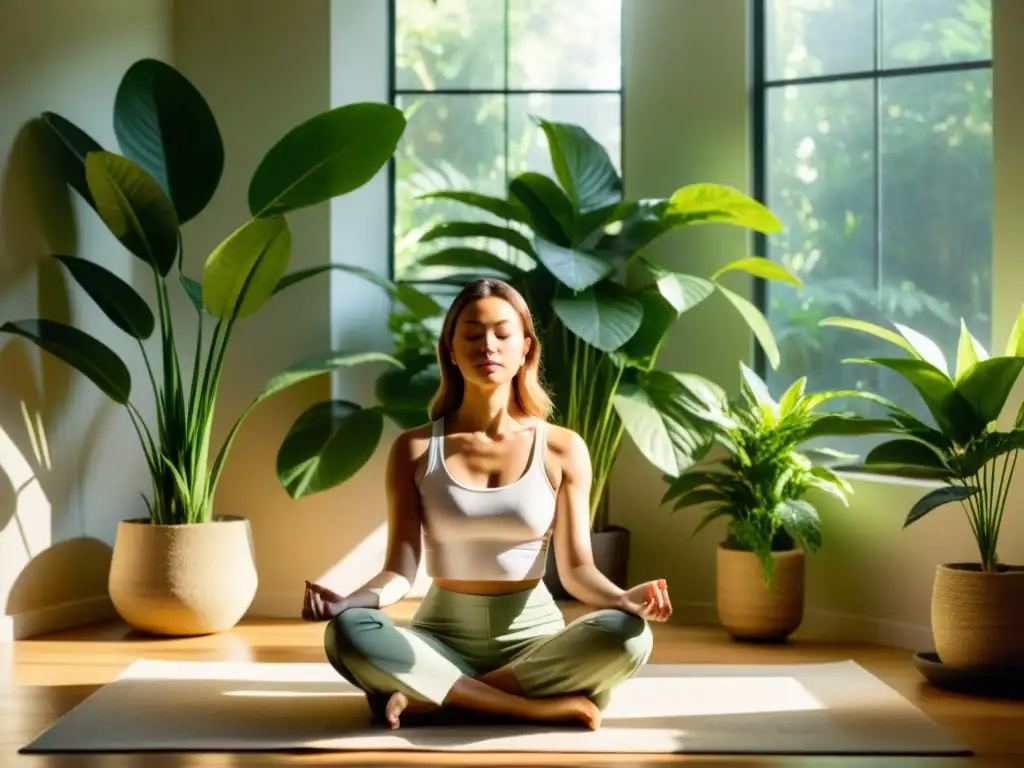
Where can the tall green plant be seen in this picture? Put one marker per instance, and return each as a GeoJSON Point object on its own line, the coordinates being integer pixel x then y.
{"type": "Point", "coordinates": [964, 448]}
{"type": "Point", "coordinates": [171, 161]}
{"type": "Point", "coordinates": [575, 238]}
{"type": "Point", "coordinates": [761, 481]}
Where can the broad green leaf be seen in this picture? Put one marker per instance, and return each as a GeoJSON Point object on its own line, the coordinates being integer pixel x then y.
{"type": "Point", "coordinates": [328, 155]}
{"type": "Point", "coordinates": [847, 425]}
{"type": "Point", "coordinates": [134, 208]}
{"type": "Point", "coordinates": [550, 213]}
{"type": "Point", "coordinates": [503, 209]}
{"type": "Point", "coordinates": [710, 517]}
{"type": "Point", "coordinates": [583, 166]}
{"type": "Point", "coordinates": [829, 482]}
{"type": "Point", "coordinates": [662, 437]}
{"type": "Point", "coordinates": [700, 497]}
{"type": "Point", "coordinates": [251, 261]}
{"type": "Point", "coordinates": [935, 387]}
{"type": "Point", "coordinates": [605, 316]}
{"type": "Point", "coordinates": [572, 268]}
{"type": "Point", "coordinates": [870, 328]}
{"type": "Point", "coordinates": [760, 267]}
{"type": "Point", "coordinates": [904, 452]}
{"type": "Point", "coordinates": [317, 365]}
{"type": "Point", "coordinates": [827, 457]}
{"type": "Point", "coordinates": [969, 352]}
{"type": "Point", "coordinates": [654, 416]}
{"type": "Point", "coordinates": [81, 351]}
{"type": "Point", "coordinates": [115, 298]}
{"type": "Point", "coordinates": [328, 444]}
{"type": "Point", "coordinates": [757, 323]}
{"type": "Point", "coordinates": [417, 302]}
{"type": "Point", "coordinates": [479, 229]}
{"type": "Point", "coordinates": [72, 146]}
{"type": "Point", "coordinates": [1019, 421]}
{"type": "Point", "coordinates": [683, 292]}
{"type": "Point", "coordinates": [792, 396]}
{"type": "Point", "coordinates": [408, 392]}
{"type": "Point", "coordinates": [1015, 341]}
{"type": "Point", "coordinates": [938, 498]}
{"type": "Point", "coordinates": [801, 521]}
{"type": "Point", "coordinates": [164, 124]}
{"type": "Point", "coordinates": [924, 348]}
{"type": "Point", "coordinates": [723, 204]}
{"type": "Point", "coordinates": [988, 384]}
{"type": "Point", "coordinates": [469, 258]}
{"type": "Point", "coordinates": [303, 370]}
{"type": "Point", "coordinates": [658, 318]}
{"type": "Point", "coordinates": [194, 291]}
{"type": "Point", "coordinates": [688, 481]}
{"type": "Point", "coordinates": [757, 388]}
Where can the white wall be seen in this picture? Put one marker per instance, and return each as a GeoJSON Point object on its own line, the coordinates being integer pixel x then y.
{"type": "Point", "coordinates": [65, 450]}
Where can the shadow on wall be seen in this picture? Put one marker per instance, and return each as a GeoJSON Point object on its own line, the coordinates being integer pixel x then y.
{"type": "Point", "coordinates": [36, 221]}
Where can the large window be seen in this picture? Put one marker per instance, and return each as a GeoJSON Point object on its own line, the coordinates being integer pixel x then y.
{"type": "Point", "coordinates": [875, 128]}
{"type": "Point", "coordinates": [469, 74]}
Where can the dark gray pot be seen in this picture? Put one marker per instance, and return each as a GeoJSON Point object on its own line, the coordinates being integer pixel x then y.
{"type": "Point", "coordinates": [611, 556]}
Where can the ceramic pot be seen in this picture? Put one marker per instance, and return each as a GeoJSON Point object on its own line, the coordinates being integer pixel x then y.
{"type": "Point", "coordinates": [746, 607]}
{"type": "Point", "coordinates": [977, 617]}
{"type": "Point", "coordinates": [183, 580]}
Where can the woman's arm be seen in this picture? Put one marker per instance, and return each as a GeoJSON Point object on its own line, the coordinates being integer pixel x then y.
{"type": "Point", "coordinates": [574, 555]}
{"type": "Point", "coordinates": [404, 537]}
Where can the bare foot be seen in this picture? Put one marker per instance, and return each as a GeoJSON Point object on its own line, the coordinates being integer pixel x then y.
{"type": "Point", "coordinates": [569, 708]}
{"type": "Point", "coordinates": [400, 703]}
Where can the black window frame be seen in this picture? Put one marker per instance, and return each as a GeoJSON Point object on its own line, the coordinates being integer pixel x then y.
{"type": "Point", "coordinates": [394, 92]}
{"type": "Point", "coordinates": [761, 85]}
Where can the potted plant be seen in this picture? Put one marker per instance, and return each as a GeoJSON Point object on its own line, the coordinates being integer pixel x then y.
{"type": "Point", "coordinates": [760, 483]}
{"type": "Point", "coordinates": [575, 237]}
{"type": "Point", "coordinates": [184, 569]}
{"type": "Point", "coordinates": [976, 615]}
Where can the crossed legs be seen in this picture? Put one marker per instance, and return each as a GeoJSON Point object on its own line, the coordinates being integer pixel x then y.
{"type": "Point", "coordinates": [566, 676]}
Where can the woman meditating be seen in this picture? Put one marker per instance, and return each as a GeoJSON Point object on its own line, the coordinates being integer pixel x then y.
{"type": "Point", "coordinates": [487, 483]}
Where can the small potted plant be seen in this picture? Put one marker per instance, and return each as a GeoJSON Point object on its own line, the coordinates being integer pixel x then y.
{"type": "Point", "coordinates": [184, 569]}
{"type": "Point", "coordinates": [976, 607]}
{"type": "Point", "coordinates": [574, 236]}
{"type": "Point", "coordinates": [760, 483]}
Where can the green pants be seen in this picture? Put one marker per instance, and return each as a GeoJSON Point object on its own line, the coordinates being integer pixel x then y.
{"type": "Point", "coordinates": [454, 635]}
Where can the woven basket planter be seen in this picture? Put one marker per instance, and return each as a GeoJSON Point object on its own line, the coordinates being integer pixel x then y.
{"type": "Point", "coordinates": [978, 617]}
{"type": "Point", "coordinates": [746, 607]}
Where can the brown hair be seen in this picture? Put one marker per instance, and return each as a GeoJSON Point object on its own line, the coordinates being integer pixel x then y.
{"type": "Point", "coordinates": [529, 392]}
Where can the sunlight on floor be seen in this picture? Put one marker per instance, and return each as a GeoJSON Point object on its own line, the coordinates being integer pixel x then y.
{"type": "Point", "coordinates": [644, 697]}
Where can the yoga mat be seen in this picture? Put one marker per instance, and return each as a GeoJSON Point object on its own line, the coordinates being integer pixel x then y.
{"type": "Point", "coordinates": [832, 708]}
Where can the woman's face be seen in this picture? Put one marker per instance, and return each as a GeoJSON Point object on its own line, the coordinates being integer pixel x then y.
{"type": "Point", "coordinates": [489, 345]}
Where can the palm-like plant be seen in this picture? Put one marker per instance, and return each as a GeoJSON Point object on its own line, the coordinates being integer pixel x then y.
{"type": "Point", "coordinates": [169, 170]}
{"type": "Point", "coordinates": [576, 238]}
{"type": "Point", "coordinates": [964, 449]}
{"type": "Point", "coordinates": [764, 476]}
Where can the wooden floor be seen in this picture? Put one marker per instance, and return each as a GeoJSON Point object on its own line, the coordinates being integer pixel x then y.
{"type": "Point", "coordinates": [44, 677]}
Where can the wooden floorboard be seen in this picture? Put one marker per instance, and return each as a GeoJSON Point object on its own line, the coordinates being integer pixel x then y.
{"type": "Point", "coordinates": [44, 677]}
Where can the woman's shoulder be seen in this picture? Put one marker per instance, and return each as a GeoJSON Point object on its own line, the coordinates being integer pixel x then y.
{"type": "Point", "coordinates": [411, 444]}
{"type": "Point", "coordinates": [565, 444]}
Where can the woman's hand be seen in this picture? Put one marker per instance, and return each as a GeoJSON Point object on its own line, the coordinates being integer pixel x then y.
{"type": "Point", "coordinates": [648, 601]}
{"type": "Point", "coordinates": [321, 603]}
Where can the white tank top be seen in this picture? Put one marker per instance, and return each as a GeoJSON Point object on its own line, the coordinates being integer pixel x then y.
{"type": "Point", "coordinates": [486, 534]}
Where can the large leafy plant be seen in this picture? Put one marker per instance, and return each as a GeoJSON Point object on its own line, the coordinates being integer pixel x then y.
{"type": "Point", "coordinates": [766, 471]}
{"type": "Point", "coordinates": [963, 448]}
{"type": "Point", "coordinates": [575, 240]}
{"type": "Point", "coordinates": [169, 168]}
